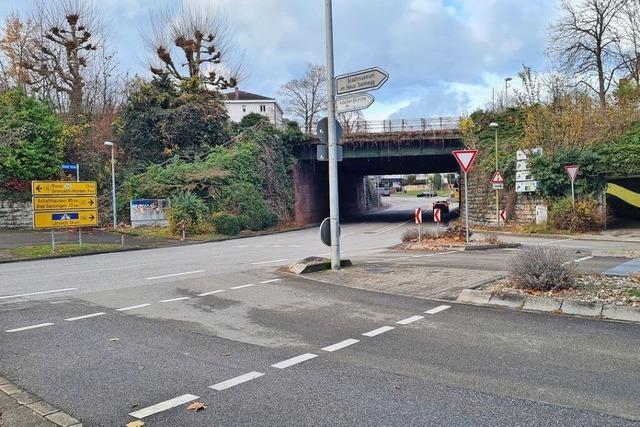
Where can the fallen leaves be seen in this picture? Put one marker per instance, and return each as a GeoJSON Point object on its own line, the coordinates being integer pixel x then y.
{"type": "Point", "coordinates": [197, 406]}
{"type": "Point", "coordinates": [136, 423]}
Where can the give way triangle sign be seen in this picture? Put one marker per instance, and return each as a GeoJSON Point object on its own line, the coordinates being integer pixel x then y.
{"type": "Point", "coordinates": [572, 171]}
{"type": "Point", "coordinates": [465, 158]}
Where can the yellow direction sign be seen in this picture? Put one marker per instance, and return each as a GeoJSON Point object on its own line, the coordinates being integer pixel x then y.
{"type": "Point", "coordinates": [55, 188]}
{"type": "Point", "coordinates": [65, 219]}
{"type": "Point", "coordinates": [53, 203]}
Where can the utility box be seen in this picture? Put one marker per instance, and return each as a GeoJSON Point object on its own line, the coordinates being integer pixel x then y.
{"type": "Point", "coordinates": [541, 214]}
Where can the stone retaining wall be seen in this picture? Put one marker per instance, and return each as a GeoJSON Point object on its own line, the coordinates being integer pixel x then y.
{"type": "Point", "coordinates": [15, 214]}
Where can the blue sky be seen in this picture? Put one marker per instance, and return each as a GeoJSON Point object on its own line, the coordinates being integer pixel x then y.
{"type": "Point", "coordinates": [444, 56]}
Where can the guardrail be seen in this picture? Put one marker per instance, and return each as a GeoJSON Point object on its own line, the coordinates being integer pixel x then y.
{"type": "Point", "coordinates": [402, 125]}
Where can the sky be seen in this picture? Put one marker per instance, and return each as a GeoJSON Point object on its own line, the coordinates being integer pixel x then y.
{"type": "Point", "coordinates": [444, 57]}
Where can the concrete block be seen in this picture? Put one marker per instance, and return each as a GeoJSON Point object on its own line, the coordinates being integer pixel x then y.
{"type": "Point", "coordinates": [24, 398]}
{"type": "Point", "coordinates": [582, 308]}
{"type": "Point", "coordinates": [621, 312]}
{"type": "Point", "coordinates": [542, 304]}
{"type": "Point", "coordinates": [42, 408]}
{"type": "Point", "coordinates": [3, 381]}
{"type": "Point", "coordinates": [474, 296]}
{"type": "Point", "coordinates": [9, 389]}
{"type": "Point", "coordinates": [62, 419]}
{"type": "Point", "coordinates": [508, 300]}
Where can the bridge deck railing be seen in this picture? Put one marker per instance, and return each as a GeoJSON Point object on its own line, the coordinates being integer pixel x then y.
{"type": "Point", "coordinates": [402, 125]}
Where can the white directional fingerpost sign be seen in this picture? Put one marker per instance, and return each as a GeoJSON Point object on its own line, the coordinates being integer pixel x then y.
{"type": "Point", "coordinates": [572, 171]}
{"type": "Point", "coordinates": [354, 102]}
{"type": "Point", "coordinates": [465, 159]}
{"type": "Point", "coordinates": [361, 81]}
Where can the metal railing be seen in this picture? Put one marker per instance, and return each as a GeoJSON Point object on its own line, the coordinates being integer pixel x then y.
{"type": "Point", "coordinates": [402, 125]}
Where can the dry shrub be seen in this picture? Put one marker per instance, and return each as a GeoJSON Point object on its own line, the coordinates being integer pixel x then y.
{"type": "Point", "coordinates": [585, 216]}
{"type": "Point", "coordinates": [541, 269]}
{"type": "Point", "coordinates": [411, 235]}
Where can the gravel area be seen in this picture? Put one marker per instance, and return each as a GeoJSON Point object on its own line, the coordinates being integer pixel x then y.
{"type": "Point", "coordinates": [618, 290]}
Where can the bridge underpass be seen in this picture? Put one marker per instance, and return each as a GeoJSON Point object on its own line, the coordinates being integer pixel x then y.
{"type": "Point", "coordinates": [373, 148]}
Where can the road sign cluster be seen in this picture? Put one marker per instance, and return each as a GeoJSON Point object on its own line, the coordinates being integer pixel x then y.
{"type": "Point", "coordinates": [64, 204]}
{"type": "Point", "coordinates": [353, 84]}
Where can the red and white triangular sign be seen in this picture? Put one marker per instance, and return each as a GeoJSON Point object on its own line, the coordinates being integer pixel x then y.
{"type": "Point", "coordinates": [572, 171]}
{"type": "Point", "coordinates": [497, 178]}
{"type": "Point", "coordinates": [465, 158]}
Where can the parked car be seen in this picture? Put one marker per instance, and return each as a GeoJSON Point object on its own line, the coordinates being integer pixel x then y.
{"type": "Point", "coordinates": [427, 194]}
{"type": "Point", "coordinates": [385, 192]}
{"type": "Point", "coordinates": [443, 205]}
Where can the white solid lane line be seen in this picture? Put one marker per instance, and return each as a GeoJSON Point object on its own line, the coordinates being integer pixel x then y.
{"type": "Point", "coordinates": [163, 406]}
{"type": "Point", "coordinates": [39, 293]}
{"type": "Point", "coordinates": [378, 331]}
{"type": "Point", "coordinates": [132, 307]}
{"type": "Point", "coordinates": [175, 274]}
{"type": "Point", "coordinates": [582, 259]}
{"type": "Point", "coordinates": [204, 294]}
{"type": "Point", "coordinates": [294, 360]}
{"type": "Point", "coordinates": [174, 299]}
{"type": "Point", "coordinates": [237, 380]}
{"type": "Point", "coordinates": [86, 316]}
{"type": "Point", "coordinates": [341, 344]}
{"type": "Point", "coordinates": [26, 328]}
{"type": "Point", "coordinates": [269, 262]}
{"type": "Point", "coordinates": [270, 281]}
{"type": "Point", "coordinates": [392, 228]}
{"type": "Point", "coordinates": [438, 309]}
{"type": "Point", "coordinates": [243, 286]}
{"type": "Point", "coordinates": [409, 320]}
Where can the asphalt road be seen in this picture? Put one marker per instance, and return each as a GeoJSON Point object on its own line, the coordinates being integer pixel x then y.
{"type": "Point", "coordinates": [125, 332]}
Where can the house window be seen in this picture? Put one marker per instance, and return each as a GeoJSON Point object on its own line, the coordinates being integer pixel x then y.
{"type": "Point", "coordinates": [263, 108]}
{"type": "Point", "coordinates": [244, 108]}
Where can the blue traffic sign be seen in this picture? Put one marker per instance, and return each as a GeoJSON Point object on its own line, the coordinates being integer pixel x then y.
{"type": "Point", "coordinates": [69, 166]}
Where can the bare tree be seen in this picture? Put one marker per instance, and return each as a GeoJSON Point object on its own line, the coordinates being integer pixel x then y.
{"type": "Point", "coordinates": [349, 120]}
{"type": "Point", "coordinates": [585, 39]}
{"type": "Point", "coordinates": [203, 43]}
{"type": "Point", "coordinates": [630, 41]}
{"type": "Point", "coordinates": [17, 43]}
{"type": "Point", "coordinates": [305, 99]}
{"type": "Point", "coordinates": [530, 93]}
{"type": "Point", "coordinates": [65, 48]}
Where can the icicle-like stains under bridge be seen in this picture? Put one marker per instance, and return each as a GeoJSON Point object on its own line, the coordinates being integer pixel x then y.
{"type": "Point", "coordinates": [383, 147]}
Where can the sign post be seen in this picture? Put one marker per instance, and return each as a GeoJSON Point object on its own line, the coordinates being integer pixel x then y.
{"type": "Point", "coordinates": [572, 171]}
{"type": "Point", "coordinates": [418, 219]}
{"type": "Point", "coordinates": [437, 217]}
{"type": "Point", "coordinates": [498, 184]}
{"type": "Point", "coordinates": [465, 159]}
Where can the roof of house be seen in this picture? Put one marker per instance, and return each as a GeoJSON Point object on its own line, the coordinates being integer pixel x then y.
{"type": "Point", "coordinates": [239, 95]}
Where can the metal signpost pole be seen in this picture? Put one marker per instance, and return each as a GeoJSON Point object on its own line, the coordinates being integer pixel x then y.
{"type": "Point", "coordinates": [334, 212]}
{"type": "Point", "coordinates": [79, 228]}
{"type": "Point", "coordinates": [497, 191]}
{"type": "Point", "coordinates": [573, 194]}
{"type": "Point", "coordinates": [53, 242]}
{"type": "Point", "coordinates": [466, 208]}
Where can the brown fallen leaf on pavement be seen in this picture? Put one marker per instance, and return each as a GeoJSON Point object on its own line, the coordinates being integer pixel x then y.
{"type": "Point", "coordinates": [136, 423]}
{"type": "Point", "coordinates": [197, 406]}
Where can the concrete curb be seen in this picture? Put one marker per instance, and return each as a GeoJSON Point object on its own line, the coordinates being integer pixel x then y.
{"type": "Point", "coordinates": [560, 236]}
{"type": "Point", "coordinates": [39, 408]}
{"type": "Point", "coordinates": [551, 305]}
{"type": "Point", "coordinates": [140, 248]}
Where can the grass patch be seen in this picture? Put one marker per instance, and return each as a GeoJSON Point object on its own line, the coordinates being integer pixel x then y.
{"type": "Point", "coordinates": [39, 251]}
{"type": "Point", "coordinates": [633, 292]}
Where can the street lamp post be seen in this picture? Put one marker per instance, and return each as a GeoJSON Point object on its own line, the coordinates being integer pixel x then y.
{"type": "Point", "coordinates": [113, 182]}
{"type": "Point", "coordinates": [495, 126]}
{"type": "Point", "coordinates": [506, 91]}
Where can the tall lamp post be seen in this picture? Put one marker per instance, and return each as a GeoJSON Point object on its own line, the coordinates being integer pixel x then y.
{"type": "Point", "coordinates": [113, 182]}
{"type": "Point", "coordinates": [495, 126]}
{"type": "Point", "coordinates": [506, 91]}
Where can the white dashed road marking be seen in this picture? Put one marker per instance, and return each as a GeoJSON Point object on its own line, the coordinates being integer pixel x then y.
{"type": "Point", "coordinates": [175, 274]}
{"type": "Point", "coordinates": [243, 286]}
{"type": "Point", "coordinates": [39, 293]}
{"type": "Point", "coordinates": [270, 281]}
{"type": "Point", "coordinates": [378, 331]}
{"type": "Point", "coordinates": [438, 309]}
{"type": "Point", "coordinates": [174, 299]}
{"type": "Point", "coordinates": [341, 344]}
{"type": "Point", "coordinates": [26, 328]}
{"type": "Point", "coordinates": [269, 262]}
{"type": "Point", "coordinates": [132, 307]}
{"type": "Point", "coordinates": [87, 316]}
{"type": "Point", "coordinates": [294, 360]}
{"type": "Point", "coordinates": [237, 380]}
{"type": "Point", "coordinates": [409, 320]}
{"type": "Point", "coordinates": [163, 406]}
{"type": "Point", "coordinates": [204, 294]}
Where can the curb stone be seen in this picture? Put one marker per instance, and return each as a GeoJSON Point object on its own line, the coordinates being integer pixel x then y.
{"type": "Point", "coordinates": [508, 300]}
{"type": "Point", "coordinates": [620, 312]}
{"type": "Point", "coordinates": [474, 296]}
{"type": "Point", "coordinates": [581, 308]}
{"type": "Point", "coordinates": [542, 304]}
{"type": "Point", "coordinates": [38, 408]}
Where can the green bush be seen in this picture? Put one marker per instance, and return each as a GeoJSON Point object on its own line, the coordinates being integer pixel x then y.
{"type": "Point", "coordinates": [585, 216]}
{"type": "Point", "coordinates": [191, 209]}
{"type": "Point", "coordinates": [226, 223]}
{"type": "Point", "coordinates": [246, 202]}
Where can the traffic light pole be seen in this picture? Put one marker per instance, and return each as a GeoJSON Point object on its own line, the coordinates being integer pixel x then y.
{"type": "Point", "coordinates": [334, 210]}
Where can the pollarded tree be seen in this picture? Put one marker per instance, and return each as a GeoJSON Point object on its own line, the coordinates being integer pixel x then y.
{"type": "Point", "coordinates": [192, 46]}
